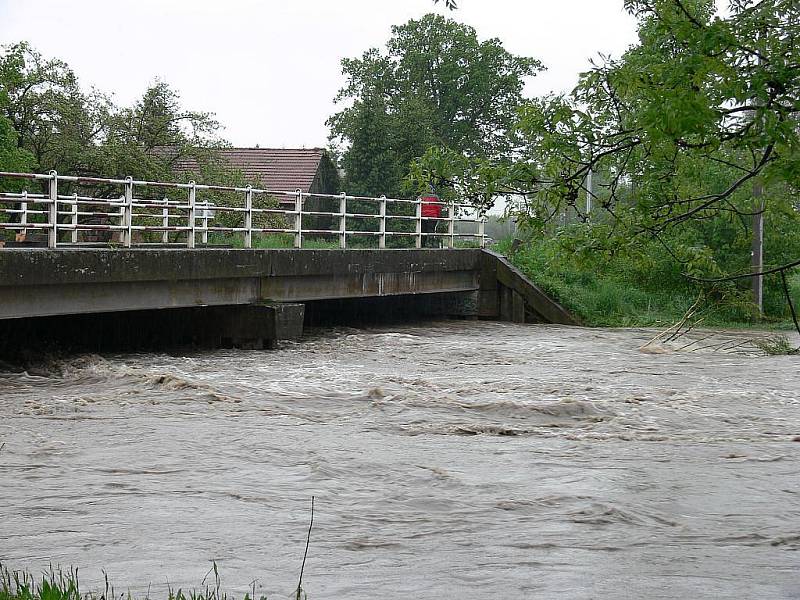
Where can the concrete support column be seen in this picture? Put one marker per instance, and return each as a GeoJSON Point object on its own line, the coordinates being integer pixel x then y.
{"type": "Point", "coordinates": [517, 308]}
{"type": "Point", "coordinates": [512, 305]}
{"type": "Point", "coordinates": [488, 293]}
{"type": "Point", "coordinates": [254, 326]}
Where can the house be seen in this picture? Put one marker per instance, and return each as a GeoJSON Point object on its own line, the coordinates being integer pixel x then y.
{"type": "Point", "coordinates": [311, 170]}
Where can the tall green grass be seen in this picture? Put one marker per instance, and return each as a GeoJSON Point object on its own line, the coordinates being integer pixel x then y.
{"type": "Point", "coordinates": [60, 584]}
{"type": "Point", "coordinates": [638, 291]}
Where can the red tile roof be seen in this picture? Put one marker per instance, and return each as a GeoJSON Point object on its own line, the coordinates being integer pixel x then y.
{"type": "Point", "coordinates": [278, 169]}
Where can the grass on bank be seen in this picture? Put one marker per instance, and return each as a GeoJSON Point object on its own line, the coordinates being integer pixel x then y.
{"type": "Point", "coordinates": [621, 293]}
{"type": "Point", "coordinates": [58, 584]}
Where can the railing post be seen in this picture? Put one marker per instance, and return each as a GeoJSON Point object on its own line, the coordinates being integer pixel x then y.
{"type": "Point", "coordinates": [204, 234]}
{"type": "Point", "coordinates": [382, 224]}
{"type": "Point", "coordinates": [121, 219]}
{"type": "Point", "coordinates": [23, 217]}
{"type": "Point", "coordinates": [128, 218]}
{"type": "Point", "coordinates": [451, 224]}
{"type": "Point", "coordinates": [165, 221]}
{"type": "Point", "coordinates": [343, 220]}
{"type": "Point", "coordinates": [192, 214]}
{"type": "Point", "coordinates": [248, 217]}
{"type": "Point", "coordinates": [298, 219]}
{"type": "Point", "coordinates": [74, 234]}
{"type": "Point", "coordinates": [52, 211]}
{"type": "Point", "coordinates": [419, 223]}
{"type": "Point", "coordinates": [482, 231]}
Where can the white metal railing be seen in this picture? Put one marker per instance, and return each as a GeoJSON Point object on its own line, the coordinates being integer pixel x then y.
{"type": "Point", "coordinates": [183, 213]}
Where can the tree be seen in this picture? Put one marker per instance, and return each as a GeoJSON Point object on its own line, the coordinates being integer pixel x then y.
{"type": "Point", "coordinates": [680, 129]}
{"type": "Point", "coordinates": [49, 117]}
{"type": "Point", "coordinates": [435, 84]}
{"type": "Point", "coordinates": [53, 118]}
{"type": "Point", "coordinates": [149, 138]}
{"type": "Point", "coordinates": [12, 157]}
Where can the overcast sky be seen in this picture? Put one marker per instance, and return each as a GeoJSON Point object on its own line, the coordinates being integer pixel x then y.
{"type": "Point", "coordinates": [270, 69]}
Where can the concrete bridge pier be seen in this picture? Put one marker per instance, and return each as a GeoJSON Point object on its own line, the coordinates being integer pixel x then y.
{"type": "Point", "coordinates": [252, 326]}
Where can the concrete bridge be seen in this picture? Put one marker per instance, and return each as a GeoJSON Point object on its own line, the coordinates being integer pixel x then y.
{"type": "Point", "coordinates": [247, 297]}
{"type": "Point", "coordinates": [169, 284]}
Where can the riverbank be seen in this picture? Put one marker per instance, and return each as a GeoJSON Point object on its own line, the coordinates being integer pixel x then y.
{"type": "Point", "coordinates": [619, 292]}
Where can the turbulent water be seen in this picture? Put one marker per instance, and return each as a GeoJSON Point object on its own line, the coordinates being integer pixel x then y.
{"type": "Point", "coordinates": [448, 460]}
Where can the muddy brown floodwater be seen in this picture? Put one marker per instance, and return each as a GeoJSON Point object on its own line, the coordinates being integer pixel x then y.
{"type": "Point", "coordinates": [448, 460]}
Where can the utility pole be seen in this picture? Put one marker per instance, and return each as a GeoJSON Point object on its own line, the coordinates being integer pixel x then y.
{"type": "Point", "coordinates": [589, 193]}
{"type": "Point", "coordinates": [757, 253]}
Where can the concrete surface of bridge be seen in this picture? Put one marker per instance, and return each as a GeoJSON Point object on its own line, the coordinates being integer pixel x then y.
{"type": "Point", "coordinates": [260, 294]}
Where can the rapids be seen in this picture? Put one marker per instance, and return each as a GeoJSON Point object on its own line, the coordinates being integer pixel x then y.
{"type": "Point", "coordinates": [451, 459]}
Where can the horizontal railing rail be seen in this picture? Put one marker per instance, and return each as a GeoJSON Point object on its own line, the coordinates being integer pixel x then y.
{"type": "Point", "coordinates": [132, 212]}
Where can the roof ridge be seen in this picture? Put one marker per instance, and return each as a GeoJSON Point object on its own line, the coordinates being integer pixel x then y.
{"type": "Point", "coordinates": [264, 148]}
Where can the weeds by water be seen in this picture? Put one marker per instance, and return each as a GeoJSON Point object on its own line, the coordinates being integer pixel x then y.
{"type": "Point", "coordinates": [776, 345]}
{"type": "Point", "coordinates": [54, 585]}
{"type": "Point", "coordinates": [60, 584]}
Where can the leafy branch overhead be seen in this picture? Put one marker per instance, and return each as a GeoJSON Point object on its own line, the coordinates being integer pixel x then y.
{"type": "Point", "coordinates": [676, 131]}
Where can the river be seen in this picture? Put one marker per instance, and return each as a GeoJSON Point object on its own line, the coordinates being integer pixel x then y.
{"type": "Point", "coordinates": [452, 459]}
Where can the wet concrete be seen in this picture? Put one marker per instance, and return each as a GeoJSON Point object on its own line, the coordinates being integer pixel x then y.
{"type": "Point", "coordinates": [41, 283]}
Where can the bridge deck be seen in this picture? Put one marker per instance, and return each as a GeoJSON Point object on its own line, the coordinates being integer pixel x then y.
{"type": "Point", "coordinates": [43, 282]}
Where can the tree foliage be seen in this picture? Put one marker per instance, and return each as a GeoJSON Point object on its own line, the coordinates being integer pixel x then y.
{"type": "Point", "coordinates": [55, 124]}
{"type": "Point", "coordinates": [434, 84]}
{"type": "Point", "coordinates": [676, 132]}
{"type": "Point", "coordinates": [53, 118]}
